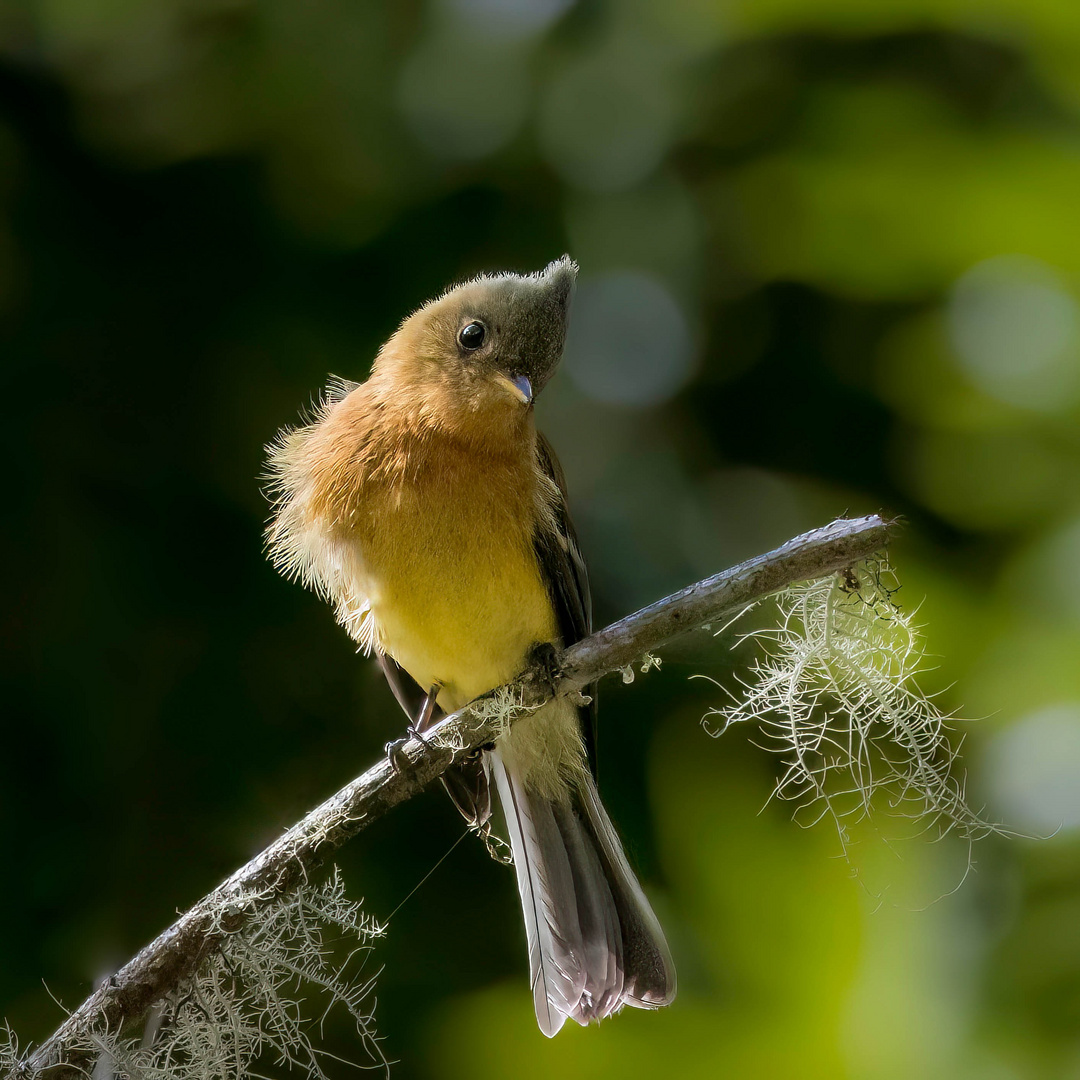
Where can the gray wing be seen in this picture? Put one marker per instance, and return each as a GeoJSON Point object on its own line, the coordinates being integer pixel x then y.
{"type": "Point", "coordinates": [563, 570]}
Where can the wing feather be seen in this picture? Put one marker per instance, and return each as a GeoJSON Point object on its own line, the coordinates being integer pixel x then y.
{"type": "Point", "coordinates": [563, 570]}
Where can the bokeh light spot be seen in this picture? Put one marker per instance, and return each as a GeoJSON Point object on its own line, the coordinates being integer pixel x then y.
{"type": "Point", "coordinates": [606, 124]}
{"type": "Point", "coordinates": [657, 226]}
{"type": "Point", "coordinates": [629, 342]}
{"type": "Point", "coordinates": [1032, 767]}
{"type": "Point", "coordinates": [509, 20]}
{"type": "Point", "coordinates": [985, 479]}
{"type": "Point", "coordinates": [463, 118]}
{"type": "Point", "coordinates": [1047, 574]}
{"type": "Point", "coordinates": [1015, 328]}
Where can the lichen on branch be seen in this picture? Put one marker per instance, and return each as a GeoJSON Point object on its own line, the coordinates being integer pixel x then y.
{"type": "Point", "coordinates": [260, 995]}
{"type": "Point", "coordinates": [835, 691]}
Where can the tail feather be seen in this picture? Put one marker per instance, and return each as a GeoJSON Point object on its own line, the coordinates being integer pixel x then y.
{"type": "Point", "coordinates": [555, 970]}
{"type": "Point", "coordinates": [594, 942]}
{"type": "Point", "coordinates": [601, 950]}
{"type": "Point", "coordinates": [650, 970]}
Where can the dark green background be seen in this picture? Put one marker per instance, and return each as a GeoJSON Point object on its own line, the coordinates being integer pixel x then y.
{"type": "Point", "coordinates": [837, 243]}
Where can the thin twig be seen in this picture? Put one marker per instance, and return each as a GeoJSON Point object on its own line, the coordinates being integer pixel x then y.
{"type": "Point", "coordinates": [172, 957]}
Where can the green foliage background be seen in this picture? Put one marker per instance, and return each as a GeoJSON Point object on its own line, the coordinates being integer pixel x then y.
{"type": "Point", "coordinates": [830, 261]}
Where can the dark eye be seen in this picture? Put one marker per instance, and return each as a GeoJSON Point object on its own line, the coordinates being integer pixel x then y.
{"type": "Point", "coordinates": [472, 336]}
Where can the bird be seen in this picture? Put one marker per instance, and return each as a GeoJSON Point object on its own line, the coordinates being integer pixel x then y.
{"type": "Point", "coordinates": [426, 507]}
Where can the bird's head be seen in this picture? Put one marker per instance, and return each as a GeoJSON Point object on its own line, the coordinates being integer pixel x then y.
{"type": "Point", "coordinates": [484, 348]}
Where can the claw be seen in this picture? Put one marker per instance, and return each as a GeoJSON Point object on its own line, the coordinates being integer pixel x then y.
{"type": "Point", "coordinates": [395, 753]}
{"type": "Point", "coordinates": [395, 749]}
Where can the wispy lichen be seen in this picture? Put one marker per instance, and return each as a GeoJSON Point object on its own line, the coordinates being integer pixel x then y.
{"type": "Point", "coordinates": [835, 692]}
{"type": "Point", "coordinates": [503, 706]}
{"type": "Point", "coordinates": [10, 1058]}
{"type": "Point", "coordinates": [250, 1003]}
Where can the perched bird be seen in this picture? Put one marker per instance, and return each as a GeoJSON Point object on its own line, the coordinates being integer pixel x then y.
{"type": "Point", "coordinates": [427, 508]}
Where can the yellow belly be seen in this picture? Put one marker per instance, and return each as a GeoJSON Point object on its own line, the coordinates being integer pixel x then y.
{"type": "Point", "coordinates": [455, 589]}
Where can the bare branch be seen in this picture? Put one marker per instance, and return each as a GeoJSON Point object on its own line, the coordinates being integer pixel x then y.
{"type": "Point", "coordinates": [175, 954]}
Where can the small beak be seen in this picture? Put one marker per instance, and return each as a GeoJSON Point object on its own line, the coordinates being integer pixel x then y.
{"type": "Point", "coordinates": [522, 387]}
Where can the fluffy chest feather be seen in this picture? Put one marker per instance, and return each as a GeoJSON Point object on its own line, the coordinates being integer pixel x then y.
{"type": "Point", "coordinates": [421, 536]}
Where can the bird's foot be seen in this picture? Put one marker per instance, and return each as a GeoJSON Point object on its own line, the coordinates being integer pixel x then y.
{"type": "Point", "coordinates": [543, 659]}
{"type": "Point", "coordinates": [395, 749]}
{"type": "Point", "coordinates": [496, 846]}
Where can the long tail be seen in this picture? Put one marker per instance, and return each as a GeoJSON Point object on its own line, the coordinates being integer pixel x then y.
{"type": "Point", "coordinates": [594, 942]}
